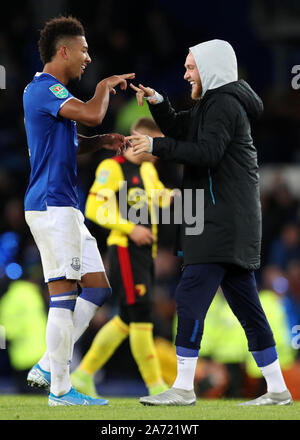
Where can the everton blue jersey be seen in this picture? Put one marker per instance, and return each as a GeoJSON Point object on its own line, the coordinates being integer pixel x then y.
{"type": "Point", "coordinates": [52, 142]}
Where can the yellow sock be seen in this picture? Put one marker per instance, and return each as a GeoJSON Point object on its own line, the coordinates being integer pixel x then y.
{"type": "Point", "coordinates": [144, 352]}
{"type": "Point", "coordinates": [104, 345]}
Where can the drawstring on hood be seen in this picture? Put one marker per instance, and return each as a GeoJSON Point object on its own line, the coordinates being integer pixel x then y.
{"type": "Point", "coordinates": [216, 63]}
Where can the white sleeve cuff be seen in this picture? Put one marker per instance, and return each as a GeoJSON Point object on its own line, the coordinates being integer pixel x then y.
{"type": "Point", "coordinates": [151, 143]}
{"type": "Point", "coordinates": [157, 96]}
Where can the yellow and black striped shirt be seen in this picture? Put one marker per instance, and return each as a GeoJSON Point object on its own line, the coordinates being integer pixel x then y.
{"type": "Point", "coordinates": [144, 191]}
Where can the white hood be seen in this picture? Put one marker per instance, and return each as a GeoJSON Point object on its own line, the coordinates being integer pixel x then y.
{"type": "Point", "coordinates": [216, 62]}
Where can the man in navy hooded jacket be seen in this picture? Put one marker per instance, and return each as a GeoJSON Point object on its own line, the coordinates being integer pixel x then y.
{"type": "Point", "coordinates": [213, 141]}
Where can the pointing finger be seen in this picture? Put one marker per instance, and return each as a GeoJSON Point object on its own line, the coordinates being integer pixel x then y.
{"type": "Point", "coordinates": [136, 89]}
{"type": "Point", "coordinates": [127, 75]}
{"type": "Point", "coordinates": [139, 97]}
{"type": "Point", "coordinates": [146, 90]}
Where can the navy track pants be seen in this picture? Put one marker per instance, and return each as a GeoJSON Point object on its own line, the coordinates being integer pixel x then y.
{"type": "Point", "coordinates": [195, 292]}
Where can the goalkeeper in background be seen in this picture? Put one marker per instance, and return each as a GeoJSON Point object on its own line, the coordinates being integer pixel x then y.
{"type": "Point", "coordinates": [131, 250]}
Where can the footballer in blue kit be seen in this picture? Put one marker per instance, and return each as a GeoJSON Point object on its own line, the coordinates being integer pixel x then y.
{"type": "Point", "coordinates": [68, 251]}
{"type": "Point", "coordinates": [52, 144]}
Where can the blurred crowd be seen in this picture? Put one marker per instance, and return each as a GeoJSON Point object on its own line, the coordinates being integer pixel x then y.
{"type": "Point", "coordinates": [153, 43]}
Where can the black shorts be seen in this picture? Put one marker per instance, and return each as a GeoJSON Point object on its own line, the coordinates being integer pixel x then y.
{"type": "Point", "coordinates": [131, 274]}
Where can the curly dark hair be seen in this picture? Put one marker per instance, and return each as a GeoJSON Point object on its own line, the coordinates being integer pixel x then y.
{"type": "Point", "coordinates": [55, 29]}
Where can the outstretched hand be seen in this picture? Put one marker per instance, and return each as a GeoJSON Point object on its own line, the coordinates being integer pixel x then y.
{"type": "Point", "coordinates": [115, 80]}
{"type": "Point", "coordinates": [116, 142]}
{"type": "Point", "coordinates": [143, 92]}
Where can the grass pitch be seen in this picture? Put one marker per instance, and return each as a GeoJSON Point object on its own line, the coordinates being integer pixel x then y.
{"type": "Point", "coordinates": [24, 407]}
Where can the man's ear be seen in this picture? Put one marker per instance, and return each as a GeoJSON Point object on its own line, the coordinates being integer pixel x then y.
{"type": "Point", "coordinates": [63, 51]}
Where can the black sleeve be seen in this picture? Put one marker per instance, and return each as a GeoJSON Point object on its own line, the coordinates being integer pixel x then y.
{"type": "Point", "coordinates": [170, 122]}
{"type": "Point", "coordinates": [214, 137]}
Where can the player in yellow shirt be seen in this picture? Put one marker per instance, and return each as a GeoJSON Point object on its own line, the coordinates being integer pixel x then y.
{"type": "Point", "coordinates": [122, 195]}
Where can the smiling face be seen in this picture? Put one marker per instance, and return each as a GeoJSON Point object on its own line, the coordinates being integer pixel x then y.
{"type": "Point", "coordinates": [75, 54]}
{"type": "Point", "coordinates": [192, 76]}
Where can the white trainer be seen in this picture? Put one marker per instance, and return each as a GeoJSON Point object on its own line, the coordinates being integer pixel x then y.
{"type": "Point", "coordinates": [283, 398]}
{"type": "Point", "coordinates": [171, 397]}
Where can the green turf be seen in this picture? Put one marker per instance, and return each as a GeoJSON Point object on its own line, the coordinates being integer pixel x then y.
{"type": "Point", "coordinates": [23, 407]}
